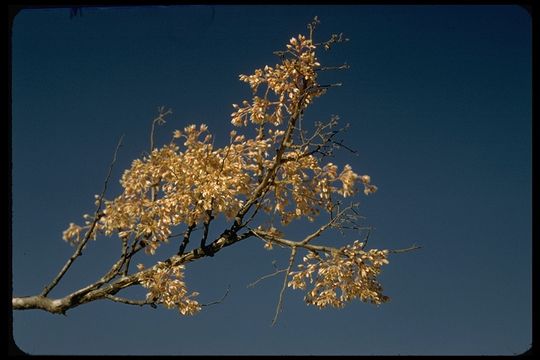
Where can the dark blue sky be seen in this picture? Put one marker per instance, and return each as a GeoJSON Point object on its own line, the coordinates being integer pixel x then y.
{"type": "Point", "coordinates": [439, 102]}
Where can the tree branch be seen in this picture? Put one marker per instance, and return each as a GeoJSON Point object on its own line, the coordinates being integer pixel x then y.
{"type": "Point", "coordinates": [96, 291]}
{"type": "Point", "coordinates": [97, 216]}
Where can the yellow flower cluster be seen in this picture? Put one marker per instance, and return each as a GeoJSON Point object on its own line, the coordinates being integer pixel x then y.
{"type": "Point", "coordinates": [348, 274]}
{"type": "Point", "coordinates": [166, 285]}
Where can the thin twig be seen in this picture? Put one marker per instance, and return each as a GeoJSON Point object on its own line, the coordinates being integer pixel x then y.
{"type": "Point", "coordinates": [134, 250]}
{"type": "Point", "coordinates": [206, 224]}
{"type": "Point", "coordinates": [175, 235]}
{"type": "Point", "coordinates": [259, 203]}
{"type": "Point", "coordinates": [399, 251]}
{"type": "Point", "coordinates": [289, 243]}
{"type": "Point", "coordinates": [78, 251]}
{"type": "Point", "coordinates": [341, 67]}
{"type": "Point", "coordinates": [220, 300]}
{"type": "Point", "coordinates": [160, 119]}
{"type": "Point", "coordinates": [284, 286]}
{"type": "Point", "coordinates": [124, 253]}
{"type": "Point", "coordinates": [317, 233]}
{"type": "Point", "coordinates": [366, 239]}
{"type": "Point", "coordinates": [185, 241]}
{"type": "Point", "coordinates": [266, 277]}
{"type": "Point", "coordinates": [340, 144]}
{"type": "Point", "coordinates": [334, 39]}
{"type": "Point", "coordinates": [129, 301]}
{"type": "Point", "coordinates": [325, 86]}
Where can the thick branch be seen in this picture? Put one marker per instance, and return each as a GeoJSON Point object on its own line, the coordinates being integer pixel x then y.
{"type": "Point", "coordinates": [96, 291]}
{"type": "Point", "coordinates": [55, 306]}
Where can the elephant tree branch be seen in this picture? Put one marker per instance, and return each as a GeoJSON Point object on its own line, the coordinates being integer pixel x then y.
{"type": "Point", "coordinates": [189, 183]}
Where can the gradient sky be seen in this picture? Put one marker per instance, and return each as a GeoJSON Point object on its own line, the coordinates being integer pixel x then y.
{"type": "Point", "coordinates": [439, 102]}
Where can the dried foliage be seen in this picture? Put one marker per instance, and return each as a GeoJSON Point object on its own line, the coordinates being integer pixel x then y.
{"type": "Point", "coordinates": [280, 170]}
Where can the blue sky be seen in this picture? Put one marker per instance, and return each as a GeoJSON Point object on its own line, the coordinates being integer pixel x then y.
{"type": "Point", "coordinates": [439, 103]}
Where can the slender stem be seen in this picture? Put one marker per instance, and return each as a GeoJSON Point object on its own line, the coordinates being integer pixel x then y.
{"type": "Point", "coordinates": [284, 286]}
{"type": "Point", "coordinates": [209, 219]}
{"type": "Point", "coordinates": [266, 277]}
{"type": "Point", "coordinates": [89, 233]}
{"type": "Point", "coordinates": [220, 300]}
{"type": "Point", "coordinates": [399, 251]}
{"type": "Point", "coordinates": [185, 241]}
{"type": "Point", "coordinates": [160, 119]}
{"type": "Point", "coordinates": [129, 301]}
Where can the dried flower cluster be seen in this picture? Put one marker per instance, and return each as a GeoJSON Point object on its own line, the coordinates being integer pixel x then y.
{"type": "Point", "coordinates": [165, 284]}
{"type": "Point", "coordinates": [347, 274]}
